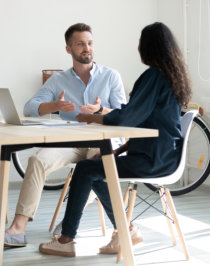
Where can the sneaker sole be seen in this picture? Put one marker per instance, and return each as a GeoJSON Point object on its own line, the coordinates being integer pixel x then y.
{"type": "Point", "coordinates": [56, 253]}
{"type": "Point", "coordinates": [108, 251]}
{"type": "Point", "coordinates": [135, 241]}
{"type": "Point", "coordinates": [14, 245]}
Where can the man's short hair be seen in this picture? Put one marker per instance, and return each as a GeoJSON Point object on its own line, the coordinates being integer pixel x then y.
{"type": "Point", "coordinates": [76, 27]}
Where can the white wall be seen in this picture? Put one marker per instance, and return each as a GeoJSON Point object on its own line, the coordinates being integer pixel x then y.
{"type": "Point", "coordinates": [199, 68]}
{"type": "Point", "coordinates": [171, 12]}
{"type": "Point", "coordinates": [32, 38]}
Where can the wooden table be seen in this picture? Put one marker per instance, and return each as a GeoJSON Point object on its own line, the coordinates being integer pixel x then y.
{"type": "Point", "coordinates": [13, 138]}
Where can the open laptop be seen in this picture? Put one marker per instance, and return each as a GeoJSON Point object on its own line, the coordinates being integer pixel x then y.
{"type": "Point", "coordinates": [9, 111]}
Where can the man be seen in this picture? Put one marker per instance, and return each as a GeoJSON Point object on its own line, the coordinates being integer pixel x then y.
{"type": "Point", "coordinates": [86, 87]}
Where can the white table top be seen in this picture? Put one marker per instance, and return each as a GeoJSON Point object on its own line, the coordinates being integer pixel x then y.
{"type": "Point", "coordinates": [10, 134]}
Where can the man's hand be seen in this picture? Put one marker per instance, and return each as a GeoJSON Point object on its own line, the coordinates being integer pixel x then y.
{"type": "Point", "coordinates": [62, 105]}
{"type": "Point", "coordinates": [91, 108]}
{"type": "Point", "coordinates": [59, 105]}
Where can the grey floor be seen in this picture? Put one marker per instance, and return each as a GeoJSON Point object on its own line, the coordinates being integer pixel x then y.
{"type": "Point", "coordinates": [156, 249]}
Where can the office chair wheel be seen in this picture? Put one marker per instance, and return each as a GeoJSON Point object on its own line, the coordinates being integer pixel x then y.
{"type": "Point", "coordinates": [198, 160]}
{"type": "Point", "coordinates": [54, 180]}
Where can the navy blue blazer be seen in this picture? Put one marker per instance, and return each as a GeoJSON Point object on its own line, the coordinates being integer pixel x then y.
{"type": "Point", "coordinates": [152, 104]}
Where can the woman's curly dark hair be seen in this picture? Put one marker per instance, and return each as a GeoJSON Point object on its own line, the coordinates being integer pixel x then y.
{"type": "Point", "coordinates": [158, 48]}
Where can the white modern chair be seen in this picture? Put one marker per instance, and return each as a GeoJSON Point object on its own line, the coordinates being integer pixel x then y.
{"type": "Point", "coordinates": [162, 182]}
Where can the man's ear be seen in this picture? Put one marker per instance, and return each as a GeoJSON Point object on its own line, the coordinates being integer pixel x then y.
{"type": "Point", "coordinates": [68, 49]}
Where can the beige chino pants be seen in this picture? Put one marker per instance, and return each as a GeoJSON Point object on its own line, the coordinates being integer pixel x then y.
{"type": "Point", "coordinates": [40, 165]}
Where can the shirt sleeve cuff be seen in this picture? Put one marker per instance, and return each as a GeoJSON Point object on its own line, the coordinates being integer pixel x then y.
{"type": "Point", "coordinates": [32, 110]}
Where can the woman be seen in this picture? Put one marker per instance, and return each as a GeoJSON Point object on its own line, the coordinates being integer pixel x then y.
{"type": "Point", "coordinates": [155, 102]}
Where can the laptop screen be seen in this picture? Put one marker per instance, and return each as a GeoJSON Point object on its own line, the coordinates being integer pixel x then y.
{"type": "Point", "coordinates": [8, 109]}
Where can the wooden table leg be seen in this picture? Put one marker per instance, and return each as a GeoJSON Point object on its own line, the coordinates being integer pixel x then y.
{"type": "Point", "coordinates": [4, 181]}
{"type": "Point", "coordinates": [118, 209]}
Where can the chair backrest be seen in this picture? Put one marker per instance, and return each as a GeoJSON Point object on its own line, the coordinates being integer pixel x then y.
{"type": "Point", "coordinates": [186, 122]}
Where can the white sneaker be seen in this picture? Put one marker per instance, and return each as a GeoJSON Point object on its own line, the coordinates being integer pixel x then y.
{"type": "Point", "coordinates": [55, 248]}
{"type": "Point", "coordinates": [113, 246]}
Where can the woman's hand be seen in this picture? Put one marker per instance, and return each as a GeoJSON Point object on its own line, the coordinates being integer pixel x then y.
{"type": "Point", "coordinates": [84, 118]}
{"type": "Point", "coordinates": [89, 118]}
{"type": "Point", "coordinates": [98, 155]}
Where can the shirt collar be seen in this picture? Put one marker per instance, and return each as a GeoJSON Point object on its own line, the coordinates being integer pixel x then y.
{"type": "Point", "coordinates": [92, 71]}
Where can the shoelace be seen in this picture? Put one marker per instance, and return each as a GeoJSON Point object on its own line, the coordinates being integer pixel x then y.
{"type": "Point", "coordinates": [52, 242]}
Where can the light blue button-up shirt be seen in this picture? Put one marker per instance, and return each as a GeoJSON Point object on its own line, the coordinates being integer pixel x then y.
{"type": "Point", "coordinates": [104, 82]}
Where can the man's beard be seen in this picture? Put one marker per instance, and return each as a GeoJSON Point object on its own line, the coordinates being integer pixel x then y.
{"type": "Point", "coordinates": [82, 60]}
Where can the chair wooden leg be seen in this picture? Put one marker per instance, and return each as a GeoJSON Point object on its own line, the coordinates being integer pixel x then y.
{"type": "Point", "coordinates": [131, 203]}
{"type": "Point", "coordinates": [101, 212]}
{"type": "Point", "coordinates": [174, 216]}
{"type": "Point", "coordinates": [126, 195]}
{"type": "Point", "coordinates": [165, 209]}
{"type": "Point", "coordinates": [129, 213]}
{"type": "Point", "coordinates": [63, 194]}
